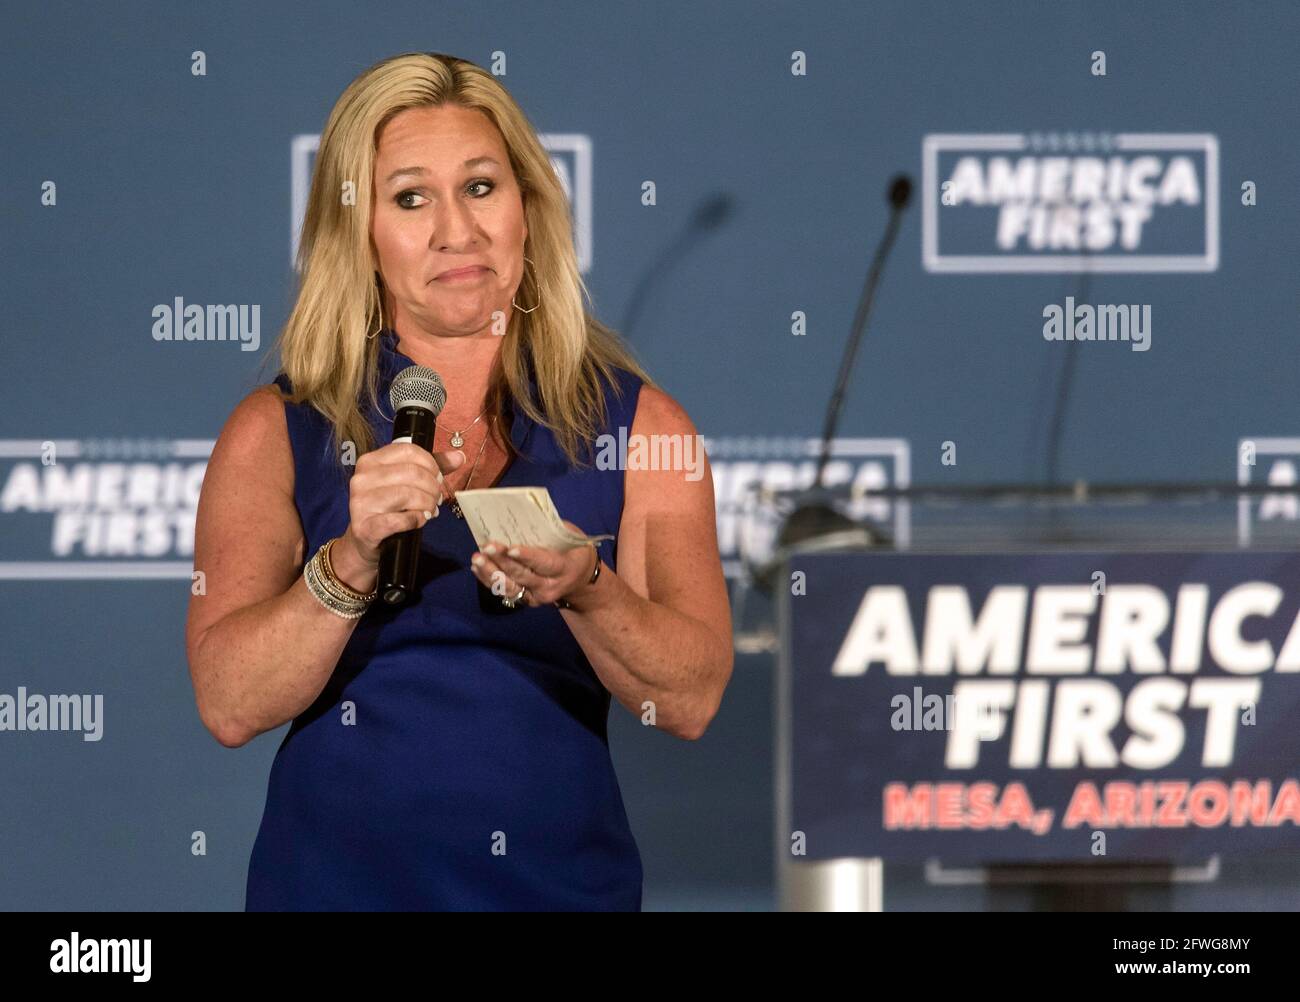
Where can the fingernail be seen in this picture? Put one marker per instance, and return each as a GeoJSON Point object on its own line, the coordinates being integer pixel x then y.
{"type": "Point", "coordinates": [428, 515]}
{"type": "Point", "coordinates": [476, 560]}
{"type": "Point", "coordinates": [513, 551]}
{"type": "Point", "coordinates": [490, 549]}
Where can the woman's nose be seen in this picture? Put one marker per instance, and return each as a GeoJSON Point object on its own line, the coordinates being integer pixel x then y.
{"type": "Point", "coordinates": [453, 227]}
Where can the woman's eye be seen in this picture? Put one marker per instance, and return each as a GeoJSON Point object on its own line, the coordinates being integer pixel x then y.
{"type": "Point", "coordinates": [489, 185]}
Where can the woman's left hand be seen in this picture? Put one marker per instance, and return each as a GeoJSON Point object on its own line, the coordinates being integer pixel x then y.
{"type": "Point", "coordinates": [548, 575]}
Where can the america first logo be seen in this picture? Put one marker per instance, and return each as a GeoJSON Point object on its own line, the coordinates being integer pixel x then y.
{"type": "Point", "coordinates": [750, 475]}
{"type": "Point", "coordinates": [85, 509]}
{"type": "Point", "coordinates": [99, 509]}
{"type": "Point", "coordinates": [1070, 202]}
{"type": "Point", "coordinates": [1274, 461]}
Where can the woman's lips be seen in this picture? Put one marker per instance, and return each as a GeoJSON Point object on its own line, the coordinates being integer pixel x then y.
{"type": "Point", "coordinates": [462, 274]}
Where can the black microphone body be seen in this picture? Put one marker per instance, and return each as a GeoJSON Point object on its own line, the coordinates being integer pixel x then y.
{"type": "Point", "coordinates": [399, 557]}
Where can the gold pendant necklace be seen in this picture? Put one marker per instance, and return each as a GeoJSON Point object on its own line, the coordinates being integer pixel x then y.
{"type": "Point", "coordinates": [458, 437]}
{"type": "Point", "coordinates": [455, 507]}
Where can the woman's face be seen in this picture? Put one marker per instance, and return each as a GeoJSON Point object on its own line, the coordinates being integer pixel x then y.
{"type": "Point", "coordinates": [454, 204]}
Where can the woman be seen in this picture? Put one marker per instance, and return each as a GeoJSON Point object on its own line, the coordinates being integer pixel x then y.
{"type": "Point", "coordinates": [450, 753]}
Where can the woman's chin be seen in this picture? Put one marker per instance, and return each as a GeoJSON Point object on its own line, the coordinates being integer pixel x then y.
{"type": "Point", "coordinates": [463, 325]}
{"type": "Point", "coordinates": [466, 317]}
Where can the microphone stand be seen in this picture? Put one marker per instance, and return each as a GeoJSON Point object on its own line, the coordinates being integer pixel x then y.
{"type": "Point", "coordinates": [814, 515]}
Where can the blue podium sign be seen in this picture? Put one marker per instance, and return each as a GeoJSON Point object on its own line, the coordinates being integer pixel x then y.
{"type": "Point", "coordinates": [1040, 707]}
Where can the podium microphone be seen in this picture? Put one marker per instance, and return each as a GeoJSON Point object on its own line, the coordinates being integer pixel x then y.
{"type": "Point", "coordinates": [815, 516]}
{"type": "Point", "coordinates": [417, 396]}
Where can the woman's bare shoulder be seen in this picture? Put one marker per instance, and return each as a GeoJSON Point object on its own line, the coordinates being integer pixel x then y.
{"type": "Point", "coordinates": [255, 437]}
{"type": "Point", "coordinates": [659, 413]}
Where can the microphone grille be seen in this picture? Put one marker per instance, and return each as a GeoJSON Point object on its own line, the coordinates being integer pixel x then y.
{"type": "Point", "coordinates": [900, 191]}
{"type": "Point", "coordinates": [418, 385]}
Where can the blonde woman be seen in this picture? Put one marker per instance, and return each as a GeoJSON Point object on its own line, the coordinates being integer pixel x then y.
{"type": "Point", "coordinates": [449, 753]}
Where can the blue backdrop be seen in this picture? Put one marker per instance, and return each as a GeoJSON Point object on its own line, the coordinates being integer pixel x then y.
{"type": "Point", "coordinates": [770, 131]}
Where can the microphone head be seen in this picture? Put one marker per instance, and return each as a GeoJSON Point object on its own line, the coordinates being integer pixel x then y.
{"type": "Point", "coordinates": [713, 211]}
{"type": "Point", "coordinates": [418, 386]}
{"type": "Point", "coordinates": [900, 190]}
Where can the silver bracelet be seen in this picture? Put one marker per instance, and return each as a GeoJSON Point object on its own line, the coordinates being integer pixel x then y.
{"type": "Point", "coordinates": [319, 583]}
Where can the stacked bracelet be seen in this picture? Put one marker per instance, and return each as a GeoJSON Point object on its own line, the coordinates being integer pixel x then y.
{"type": "Point", "coordinates": [329, 591]}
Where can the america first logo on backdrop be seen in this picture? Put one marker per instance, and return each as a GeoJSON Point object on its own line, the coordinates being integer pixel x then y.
{"type": "Point", "coordinates": [99, 509]}
{"type": "Point", "coordinates": [746, 470]}
{"type": "Point", "coordinates": [1272, 461]}
{"type": "Point", "coordinates": [125, 508]}
{"type": "Point", "coordinates": [1065, 202]}
{"type": "Point", "coordinates": [570, 156]}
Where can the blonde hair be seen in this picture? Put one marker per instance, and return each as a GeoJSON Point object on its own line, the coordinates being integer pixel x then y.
{"type": "Point", "coordinates": [323, 347]}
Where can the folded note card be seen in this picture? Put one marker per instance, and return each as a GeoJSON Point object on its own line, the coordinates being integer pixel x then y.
{"type": "Point", "coordinates": [518, 516]}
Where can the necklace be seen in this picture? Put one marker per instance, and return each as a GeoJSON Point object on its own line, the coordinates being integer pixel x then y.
{"type": "Point", "coordinates": [455, 508]}
{"type": "Point", "coordinates": [458, 437]}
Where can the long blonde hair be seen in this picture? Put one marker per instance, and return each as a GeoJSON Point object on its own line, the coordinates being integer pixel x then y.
{"type": "Point", "coordinates": [323, 348]}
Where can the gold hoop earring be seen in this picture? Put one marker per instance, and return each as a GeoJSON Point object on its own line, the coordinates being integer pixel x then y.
{"type": "Point", "coordinates": [381, 320]}
{"type": "Point", "coordinates": [539, 293]}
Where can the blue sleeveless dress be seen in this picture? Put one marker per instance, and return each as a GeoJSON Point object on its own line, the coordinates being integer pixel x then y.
{"type": "Point", "coordinates": [458, 757]}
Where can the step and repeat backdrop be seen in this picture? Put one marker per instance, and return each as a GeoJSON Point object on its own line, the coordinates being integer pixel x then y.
{"type": "Point", "coordinates": [1096, 279]}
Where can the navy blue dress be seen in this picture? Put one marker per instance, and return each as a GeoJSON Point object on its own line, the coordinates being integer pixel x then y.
{"type": "Point", "coordinates": [476, 774]}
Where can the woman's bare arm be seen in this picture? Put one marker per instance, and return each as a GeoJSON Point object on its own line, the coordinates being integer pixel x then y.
{"type": "Point", "coordinates": [260, 647]}
{"type": "Point", "coordinates": [659, 631]}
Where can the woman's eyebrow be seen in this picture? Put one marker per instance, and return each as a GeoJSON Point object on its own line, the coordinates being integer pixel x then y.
{"type": "Point", "coordinates": [420, 171]}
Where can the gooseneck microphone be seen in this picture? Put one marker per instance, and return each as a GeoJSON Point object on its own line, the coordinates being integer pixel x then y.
{"type": "Point", "coordinates": [900, 192]}
{"type": "Point", "coordinates": [417, 396]}
{"type": "Point", "coordinates": [815, 515]}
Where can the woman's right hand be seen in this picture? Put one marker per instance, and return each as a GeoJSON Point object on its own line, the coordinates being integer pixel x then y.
{"type": "Point", "coordinates": [390, 491]}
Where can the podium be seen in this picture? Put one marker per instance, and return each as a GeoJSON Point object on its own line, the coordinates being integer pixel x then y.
{"type": "Point", "coordinates": [1081, 699]}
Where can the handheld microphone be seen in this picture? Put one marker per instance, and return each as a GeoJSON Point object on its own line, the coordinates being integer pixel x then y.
{"type": "Point", "coordinates": [417, 396]}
